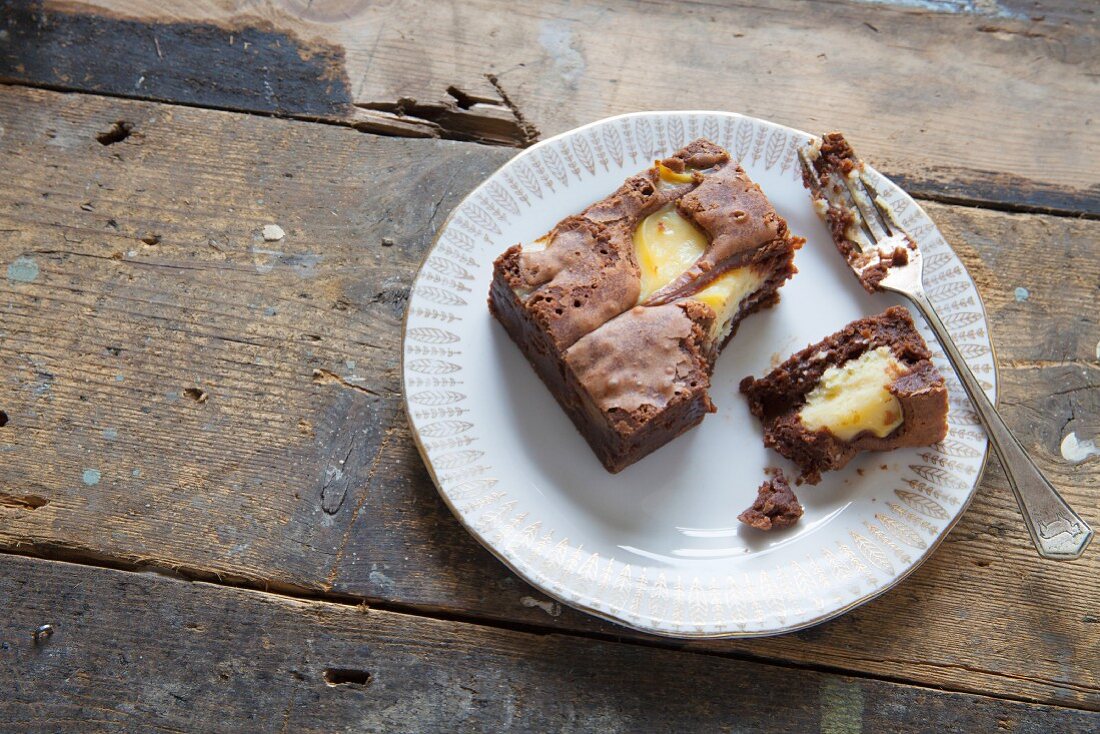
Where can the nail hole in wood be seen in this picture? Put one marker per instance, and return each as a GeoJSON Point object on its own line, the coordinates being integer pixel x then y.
{"type": "Point", "coordinates": [346, 677]}
{"type": "Point", "coordinates": [3, 419]}
{"type": "Point", "coordinates": [24, 502]}
{"type": "Point", "coordinates": [116, 133]}
{"type": "Point", "coordinates": [199, 396]}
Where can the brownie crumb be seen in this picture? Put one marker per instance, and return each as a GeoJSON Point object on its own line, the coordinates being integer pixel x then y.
{"type": "Point", "coordinates": [775, 507]}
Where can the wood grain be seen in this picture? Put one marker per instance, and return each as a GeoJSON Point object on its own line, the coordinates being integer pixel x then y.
{"type": "Point", "coordinates": [989, 107]}
{"type": "Point", "coordinates": [228, 407]}
{"type": "Point", "coordinates": [203, 657]}
{"type": "Point", "coordinates": [174, 364]}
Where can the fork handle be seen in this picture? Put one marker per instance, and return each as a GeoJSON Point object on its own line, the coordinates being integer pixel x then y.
{"type": "Point", "coordinates": [1057, 531]}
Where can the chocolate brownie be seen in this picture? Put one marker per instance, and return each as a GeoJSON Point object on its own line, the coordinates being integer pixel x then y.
{"type": "Point", "coordinates": [834, 176]}
{"type": "Point", "coordinates": [623, 308]}
{"type": "Point", "coordinates": [775, 506]}
{"type": "Point", "coordinates": [869, 387]}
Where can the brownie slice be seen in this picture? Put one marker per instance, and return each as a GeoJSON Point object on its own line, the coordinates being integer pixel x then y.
{"type": "Point", "coordinates": [869, 387]}
{"type": "Point", "coordinates": [775, 506]}
{"type": "Point", "coordinates": [622, 308]}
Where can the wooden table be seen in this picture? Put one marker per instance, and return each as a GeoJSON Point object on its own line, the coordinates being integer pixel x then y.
{"type": "Point", "coordinates": [207, 484]}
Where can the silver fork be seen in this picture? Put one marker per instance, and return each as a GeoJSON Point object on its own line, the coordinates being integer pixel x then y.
{"type": "Point", "coordinates": [1057, 531]}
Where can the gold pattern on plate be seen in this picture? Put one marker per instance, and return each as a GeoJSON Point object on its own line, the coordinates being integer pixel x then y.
{"type": "Point", "coordinates": [885, 539]}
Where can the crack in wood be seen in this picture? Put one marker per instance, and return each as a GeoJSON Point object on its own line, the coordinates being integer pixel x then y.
{"type": "Point", "coordinates": [325, 377]}
{"type": "Point", "coordinates": [301, 595]}
{"type": "Point", "coordinates": [336, 480]}
{"type": "Point", "coordinates": [532, 132]}
{"type": "Point", "coordinates": [465, 116]}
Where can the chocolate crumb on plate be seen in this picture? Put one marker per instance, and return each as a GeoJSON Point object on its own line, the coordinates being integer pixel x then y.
{"type": "Point", "coordinates": [775, 507]}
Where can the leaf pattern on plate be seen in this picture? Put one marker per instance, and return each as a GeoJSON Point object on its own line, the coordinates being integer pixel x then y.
{"type": "Point", "coordinates": [500, 195]}
{"type": "Point", "coordinates": [527, 176]}
{"type": "Point", "coordinates": [433, 366]}
{"type": "Point", "coordinates": [457, 459]}
{"type": "Point", "coordinates": [951, 447]}
{"type": "Point", "coordinates": [449, 268]}
{"type": "Point", "coordinates": [965, 416]}
{"type": "Point", "coordinates": [947, 291]}
{"type": "Point", "coordinates": [961, 319]}
{"type": "Point", "coordinates": [432, 335]}
{"type": "Point", "coordinates": [776, 143]}
{"type": "Point", "coordinates": [459, 239]}
{"type": "Point", "coordinates": [788, 159]}
{"type": "Point", "coordinates": [933, 263]}
{"type": "Point", "coordinates": [444, 429]}
{"type": "Point", "coordinates": [922, 504]}
{"type": "Point", "coordinates": [743, 144]}
{"type": "Point", "coordinates": [931, 491]}
{"type": "Point", "coordinates": [436, 398]}
{"type": "Point", "coordinates": [939, 476]}
{"type": "Point", "coordinates": [902, 531]}
{"type": "Point", "coordinates": [584, 153]}
{"type": "Point", "coordinates": [614, 144]}
{"type": "Point", "coordinates": [872, 552]}
{"type": "Point", "coordinates": [676, 139]}
{"type": "Point", "coordinates": [556, 166]}
{"type": "Point", "coordinates": [859, 566]}
{"type": "Point", "coordinates": [974, 350]}
{"type": "Point", "coordinates": [643, 132]}
{"type": "Point", "coordinates": [884, 538]}
{"type": "Point", "coordinates": [758, 146]}
{"type": "Point", "coordinates": [449, 412]}
{"type": "Point", "coordinates": [710, 129]}
{"type": "Point", "coordinates": [481, 217]}
{"type": "Point", "coordinates": [442, 296]}
{"type": "Point", "coordinates": [912, 517]}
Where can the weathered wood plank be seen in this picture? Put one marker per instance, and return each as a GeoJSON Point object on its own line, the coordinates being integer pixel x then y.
{"type": "Point", "coordinates": [248, 483]}
{"type": "Point", "coordinates": [172, 363]}
{"type": "Point", "coordinates": [987, 107]}
{"type": "Point", "coordinates": [210, 658]}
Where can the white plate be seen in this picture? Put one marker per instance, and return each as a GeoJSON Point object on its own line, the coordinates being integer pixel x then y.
{"type": "Point", "coordinates": [658, 547]}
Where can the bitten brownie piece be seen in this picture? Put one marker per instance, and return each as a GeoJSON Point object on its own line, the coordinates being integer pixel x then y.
{"type": "Point", "coordinates": [775, 507]}
{"type": "Point", "coordinates": [622, 309]}
{"type": "Point", "coordinates": [869, 387]}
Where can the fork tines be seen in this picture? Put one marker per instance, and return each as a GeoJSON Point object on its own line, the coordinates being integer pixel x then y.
{"type": "Point", "coordinates": [862, 223]}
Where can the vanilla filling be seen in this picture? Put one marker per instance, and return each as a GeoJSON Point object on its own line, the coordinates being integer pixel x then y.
{"type": "Point", "coordinates": [538, 245]}
{"type": "Point", "coordinates": [725, 296]}
{"type": "Point", "coordinates": [855, 397]}
{"type": "Point", "coordinates": [521, 291]}
{"type": "Point", "coordinates": [667, 244]}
